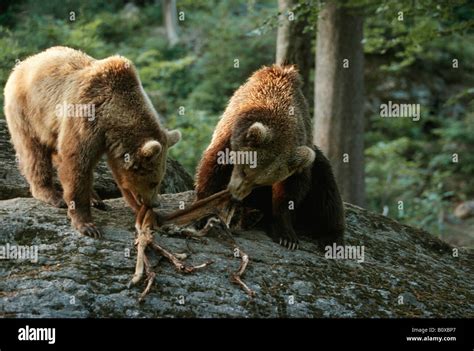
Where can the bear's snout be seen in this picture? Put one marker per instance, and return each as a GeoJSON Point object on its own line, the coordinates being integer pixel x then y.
{"type": "Point", "coordinates": [239, 188]}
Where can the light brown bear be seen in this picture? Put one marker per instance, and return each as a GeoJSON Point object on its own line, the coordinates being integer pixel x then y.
{"type": "Point", "coordinates": [65, 109]}
{"type": "Point", "coordinates": [290, 181]}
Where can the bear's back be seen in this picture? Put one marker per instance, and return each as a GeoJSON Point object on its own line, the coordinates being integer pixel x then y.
{"type": "Point", "coordinates": [52, 64]}
{"type": "Point", "coordinates": [38, 85]}
{"type": "Point", "coordinates": [273, 93]}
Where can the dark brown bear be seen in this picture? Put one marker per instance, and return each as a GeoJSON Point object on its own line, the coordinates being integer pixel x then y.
{"type": "Point", "coordinates": [292, 182]}
{"type": "Point", "coordinates": [65, 109]}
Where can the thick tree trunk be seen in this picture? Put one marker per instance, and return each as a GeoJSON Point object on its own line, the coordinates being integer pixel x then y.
{"type": "Point", "coordinates": [294, 46]}
{"type": "Point", "coordinates": [339, 84]}
{"type": "Point", "coordinates": [170, 20]}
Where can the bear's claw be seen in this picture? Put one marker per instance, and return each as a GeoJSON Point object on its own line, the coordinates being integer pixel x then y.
{"type": "Point", "coordinates": [90, 229]}
{"type": "Point", "coordinates": [290, 244]}
{"type": "Point", "coordinates": [99, 204]}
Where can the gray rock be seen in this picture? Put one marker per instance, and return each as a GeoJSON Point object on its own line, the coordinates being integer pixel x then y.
{"type": "Point", "coordinates": [81, 277]}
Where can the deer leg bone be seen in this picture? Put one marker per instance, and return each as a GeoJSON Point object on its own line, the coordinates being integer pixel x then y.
{"type": "Point", "coordinates": [219, 205]}
{"type": "Point", "coordinates": [226, 209]}
{"type": "Point", "coordinates": [236, 277]}
{"type": "Point", "coordinates": [176, 262]}
{"type": "Point", "coordinates": [211, 205]}
{"type": "Point", "coordinates": [145, 222]}
{"type": "Point", "coordinates": [143, 239]}
{"type": "Point", "coordinates": [150, 278]}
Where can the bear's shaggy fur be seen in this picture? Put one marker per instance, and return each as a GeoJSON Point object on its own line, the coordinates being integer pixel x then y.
{"type": "Point", "coordinates": [292, 183]}
{"type": "Point", "coordinates": [65, 110]}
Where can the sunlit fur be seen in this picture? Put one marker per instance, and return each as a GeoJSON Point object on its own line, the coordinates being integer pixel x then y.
{"type": "Point", "coordinates": [269, 115]}
{"type": "Point", "coordinates": [124, 121]}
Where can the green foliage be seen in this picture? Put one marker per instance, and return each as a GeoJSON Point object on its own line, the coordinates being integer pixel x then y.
{"type": "Point", "coordinates": [458, 140]}
{"type": "Point", "coordinates": [413, 161]}
{"type": "Point", "coordinates": [197, 128]}
{"type": "Point", "coordinates": [425, 171]}
{"type": "Point", "coordinates": [401, 28]}
{"type": "Point", "coordinates": [408, 190]}
{"type": "Point", "coordinates": [234, 48]}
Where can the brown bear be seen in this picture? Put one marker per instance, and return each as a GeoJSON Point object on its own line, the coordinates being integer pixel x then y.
{"type": "Point", "coordinates": [262, 151]}
{"type": "Point", "coordinates": [65, 110]}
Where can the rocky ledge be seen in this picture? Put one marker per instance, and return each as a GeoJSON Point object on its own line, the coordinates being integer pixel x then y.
{"type": "Point", "coordinates": [406, 272]}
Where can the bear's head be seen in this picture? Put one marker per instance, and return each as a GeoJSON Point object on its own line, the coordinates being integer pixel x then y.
{"type": "Point", "coordinates": [275, 154]}
{"type": "Point", "coordinates": [139, 173]}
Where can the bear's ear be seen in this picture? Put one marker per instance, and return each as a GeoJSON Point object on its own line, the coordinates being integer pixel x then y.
{"type": "Point", "coordinates": [257, 134]}
{"type": "Point", "coordinates": [173, 137]}
{"type": "Point", "coordinates": [303, 157]}
{"type": "Point", "coordinates": [150, 149]}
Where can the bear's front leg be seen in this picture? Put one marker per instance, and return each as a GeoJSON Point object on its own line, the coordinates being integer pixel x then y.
{"type": "Point", "coordinates": [76, 176]}
{"type": "Point", "coordinates": [286, 199]}
{"type": "Point", "coordinates": [282, 227]}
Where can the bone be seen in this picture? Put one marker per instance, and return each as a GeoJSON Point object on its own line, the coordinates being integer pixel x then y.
{"type": "Point", "coordinates": [219, 207]}
{"type": "Point", "coordinates": [146, 221]}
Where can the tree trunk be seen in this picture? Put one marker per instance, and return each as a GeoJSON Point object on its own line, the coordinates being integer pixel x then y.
{"type": "Point", "coordinates": [339, 84]}
{"type": "Point", "coordinates": [170, 20]}
{"type": "Point", "coordinates": [294, 46]}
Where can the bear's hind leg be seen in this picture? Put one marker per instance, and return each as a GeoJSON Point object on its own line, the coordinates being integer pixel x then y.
{"type": "Point", "coordinates": [97, 202]}
{"type": "Point", "coordinates": [35, 161]}
{"type": "Point", "coordinates": [321, 214]}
